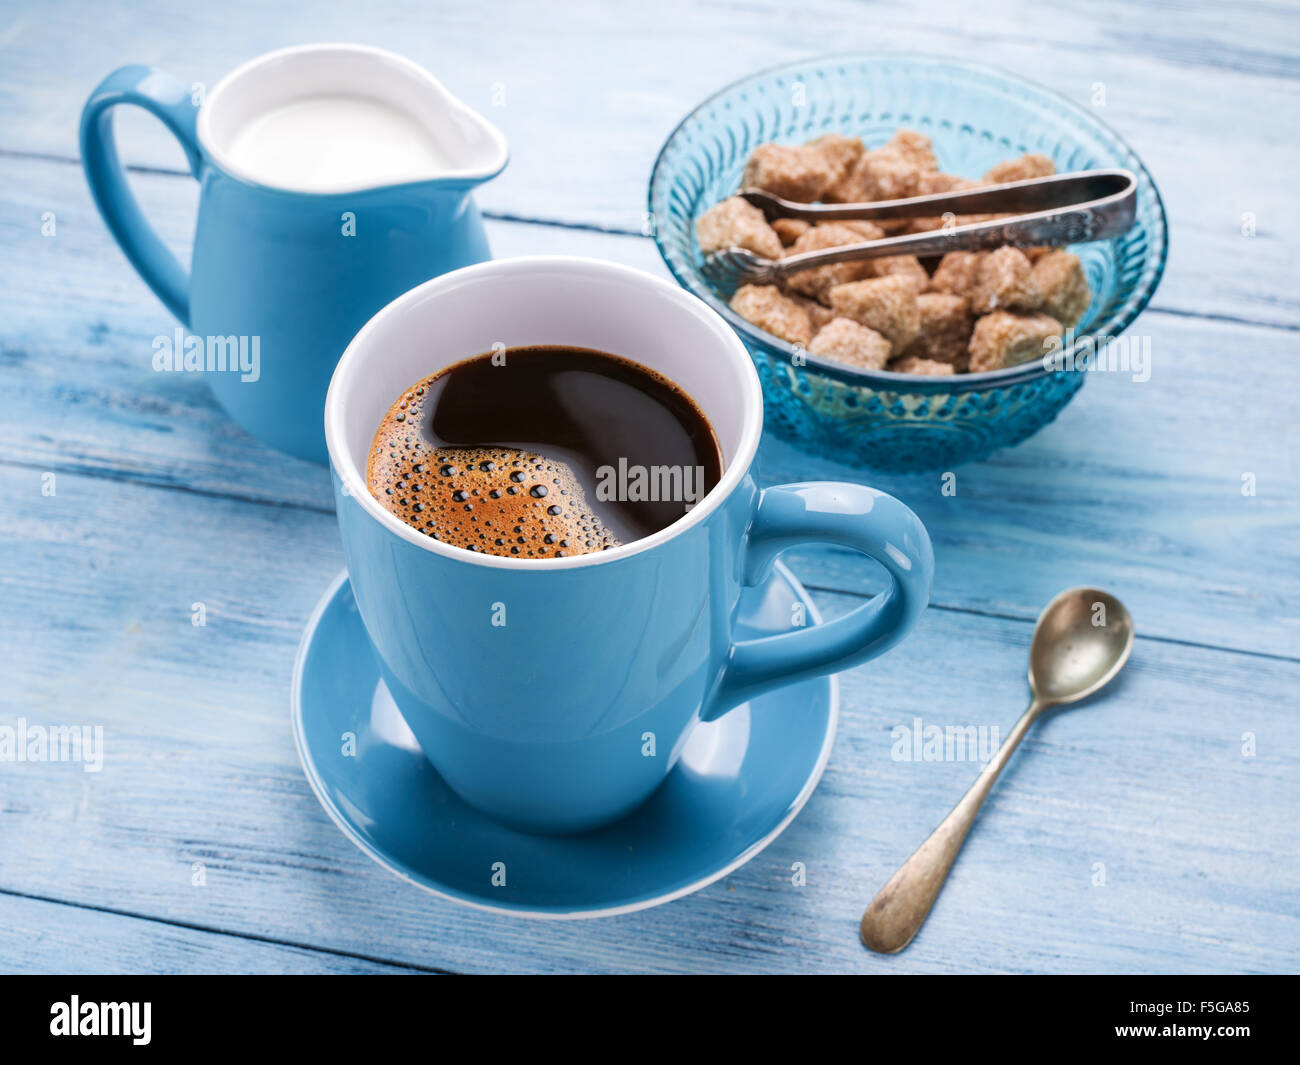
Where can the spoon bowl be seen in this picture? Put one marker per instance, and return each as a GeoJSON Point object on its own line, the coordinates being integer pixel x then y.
{"type": "Point", "coordinates": [1083, 638]}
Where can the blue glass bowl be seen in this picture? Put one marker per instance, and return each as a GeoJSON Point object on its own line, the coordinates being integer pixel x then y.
{"type": "Point", "coordinates": [975, 117]}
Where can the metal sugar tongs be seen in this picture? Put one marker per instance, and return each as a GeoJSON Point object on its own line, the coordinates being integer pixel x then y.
{"type": "Point", "coordinates": [1052, 211]}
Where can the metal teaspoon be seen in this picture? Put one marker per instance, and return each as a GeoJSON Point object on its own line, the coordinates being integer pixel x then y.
{"type": "Point", "coordinates": [1082, 639]}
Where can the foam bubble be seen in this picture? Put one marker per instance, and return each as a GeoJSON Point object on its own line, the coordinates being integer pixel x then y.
{"type": "Point", "coordinates": [500, 501]}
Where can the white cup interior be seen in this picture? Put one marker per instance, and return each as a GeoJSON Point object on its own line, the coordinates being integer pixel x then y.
{"type": "Point", "coordinates": [543, 300]}
{"type": "Point", "coordinates": [473, 148]}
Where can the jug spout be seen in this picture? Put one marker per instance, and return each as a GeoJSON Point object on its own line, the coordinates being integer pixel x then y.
{"type": "Point", "coordinates": [333, 118]}
{"type": "Point", "coordinates": [471, 149]}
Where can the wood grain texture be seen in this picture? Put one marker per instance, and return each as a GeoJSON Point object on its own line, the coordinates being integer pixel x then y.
{"type": "Point", "coordinates": [161, 503]}
{"type": "Point", "coordinates": [37, 937]}
{"type": "Point", "coordinates": [199, 766]}
{"type": "Point", "coordinates": [78, 329]}
{"type": "Point", "coordinates": [589, 95]}
{"type": "Point", "coordinates": [1107, 494]}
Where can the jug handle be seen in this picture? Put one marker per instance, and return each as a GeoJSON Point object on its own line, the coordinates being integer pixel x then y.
{"type": "Point", "coordinates": [168, 100]}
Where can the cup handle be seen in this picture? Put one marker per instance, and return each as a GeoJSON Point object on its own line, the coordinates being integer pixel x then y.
{"type": "Point", "coordinates": [168, 100]}
{"type": "Point", "coordinates": [847, 515]}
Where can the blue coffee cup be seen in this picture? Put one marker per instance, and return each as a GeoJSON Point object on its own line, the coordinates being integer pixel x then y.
{"type": "Point", "coordinates": [556, 694]}
{"type": "Point", "coordinates": [293, 255]}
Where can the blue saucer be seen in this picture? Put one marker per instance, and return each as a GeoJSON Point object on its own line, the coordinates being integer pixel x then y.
{"type": "Point", "coordinates": [740, 781]}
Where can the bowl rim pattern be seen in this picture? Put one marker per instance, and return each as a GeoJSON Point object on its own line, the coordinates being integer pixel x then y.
{"type": "Point", "coordinates": [685, 273]}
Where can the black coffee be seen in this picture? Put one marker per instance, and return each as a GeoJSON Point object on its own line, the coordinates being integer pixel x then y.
{"type": "Point", "coordinates": [542, 452]}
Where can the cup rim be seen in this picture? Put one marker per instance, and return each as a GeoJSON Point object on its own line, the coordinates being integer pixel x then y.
{"type": "Point", "coordinates": [735, 470]}
{"type": "Point", "coordinates": [219, 158]}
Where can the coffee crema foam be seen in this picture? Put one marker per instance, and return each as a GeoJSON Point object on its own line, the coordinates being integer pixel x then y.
{"type": "Point", "coordinates": [495, 500]}
{"type": "Point", "coordinates": [512, 456]}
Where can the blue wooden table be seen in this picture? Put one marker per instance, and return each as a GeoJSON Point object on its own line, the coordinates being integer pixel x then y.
{"type": "Point", "coordinates": [1156, 829]}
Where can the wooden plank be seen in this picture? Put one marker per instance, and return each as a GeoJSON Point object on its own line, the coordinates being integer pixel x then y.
{"type": "Point", "coordinates": [95, 614]}
{"type": "Point", "coordinates": [39, 937]}
{"type": "Point", "coordinates": [79, 391]}
{"type": "Point", "coordinates": [1137, 486]}
{"type": "Point", "coordinates": [586, 98]}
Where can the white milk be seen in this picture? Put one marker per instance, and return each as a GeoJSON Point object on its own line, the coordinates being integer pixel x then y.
{"type": "Point", "coordinates": [328, 141]}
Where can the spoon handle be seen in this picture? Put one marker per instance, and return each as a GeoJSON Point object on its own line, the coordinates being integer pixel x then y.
{"type": "Point", "coordinates": [902, 905]}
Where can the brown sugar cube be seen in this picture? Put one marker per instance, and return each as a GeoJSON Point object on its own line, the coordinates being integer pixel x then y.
{"type": "Point", "coordinates": [1005, 281]}
{"type": "Point", "coordinates": [894, 171]}
{"type": "Point", "coordinates": [890, 172]}
{"type": "Point", "coordinates": [874, 230]}
{"type": "Point", "coordinates": [885, 304]}
{"type": "Point", "coordinates": [853, 187]}
{"type": "Point", "coordinates": [925, 367]}
{"type": "Point", "coordinates": [793, 173]}
{"type": "Point", "coordinates": [818, 313]}
{"type": "Point", "coordinates": [957, 272]}
{"type": "Point", "coordinates": [901, 265]}
{"type": "Point", "coordinates": [891, 227]}
{"type": "Point", "coordinates": [1062, 286]}
{"type": "Point", "coordinates": [879, 177]}
{"type": "Point", "coordinates": [945, 329]}
{"type": "Point", "coordinates": [865, 230]}
{"type": "Point", "coordinates": [820, 280]}
{"type": "Point", "coordinates": [886, 174]}
{"type": "Point", "coordinates": [1031, 165]}
{"type": "Point", "coordinates": [841, 155]}
{"type": "Point", "coordinates": [737, 222]}
{"type": "Point", "coordinates": [891, 264]}
{"type": "Point", "coordinates": [767, 308]}
{"type": "Point", "coordinates": [1005, 338]}
{"type": "Point", "coordinates": [932, 182]}
{"type": "Point", "coordinates": [844, 340]}
{"type": "Point", "coordinates": [914, 147]}
{"type": "Point", "coordinates": [790, 229]}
